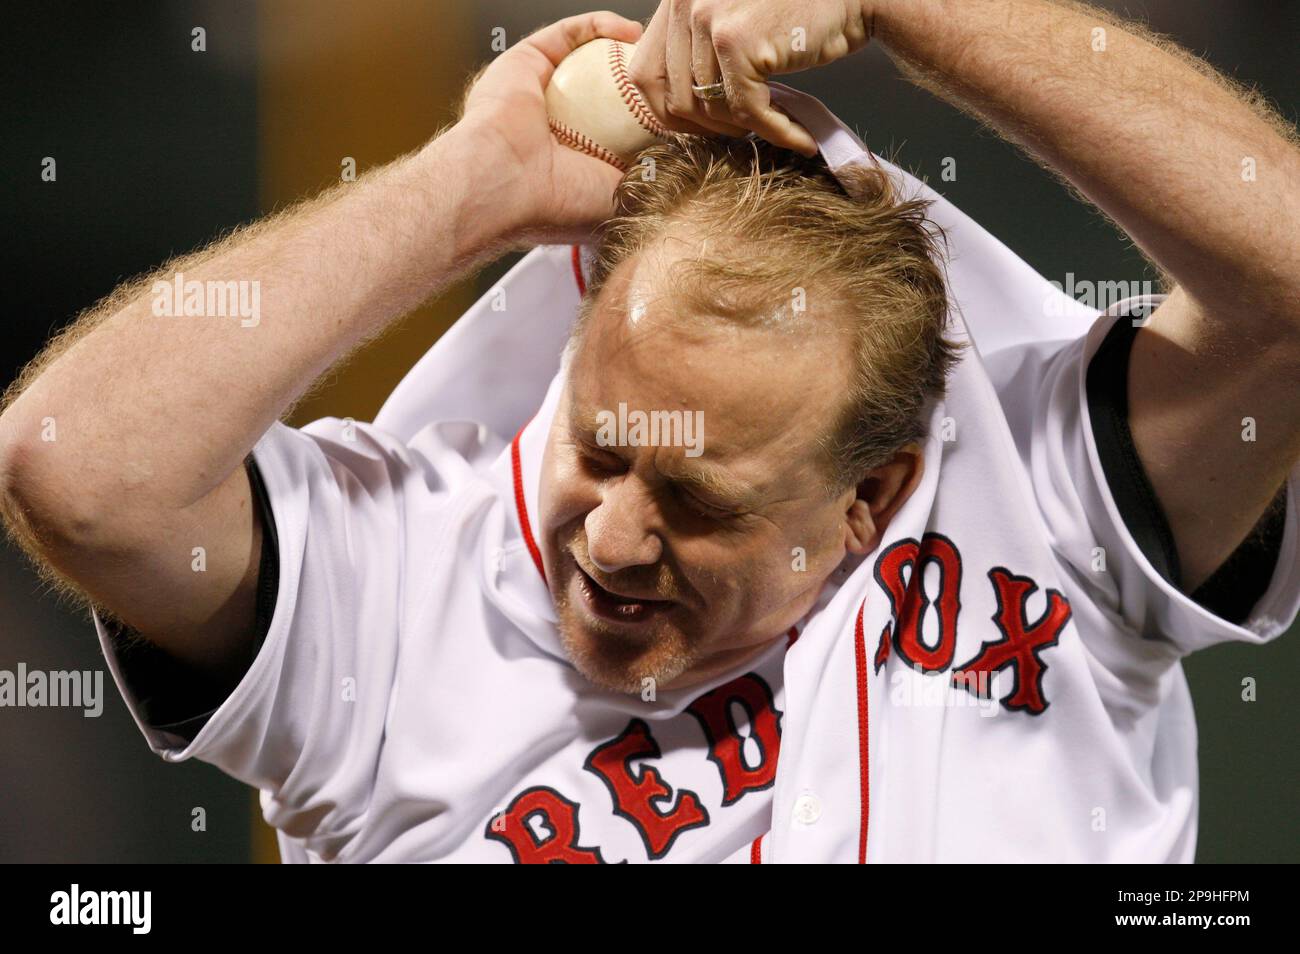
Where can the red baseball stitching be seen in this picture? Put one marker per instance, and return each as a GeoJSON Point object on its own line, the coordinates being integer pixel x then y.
{"type": "Point", "coordinates": [631, 95]}
{"type": "Point", "coordinates": [576, 140]}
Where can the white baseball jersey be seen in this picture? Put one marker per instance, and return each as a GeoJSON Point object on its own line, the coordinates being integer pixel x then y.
{"type": "Point", "coordinates": [998, 681]}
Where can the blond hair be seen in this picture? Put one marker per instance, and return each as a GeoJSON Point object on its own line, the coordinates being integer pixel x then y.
{"type": "Point", "coordinates": [787, 223]}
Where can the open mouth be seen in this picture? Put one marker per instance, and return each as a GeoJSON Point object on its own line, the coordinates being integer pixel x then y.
{"type": "Point", "coordinates": [611, 606]}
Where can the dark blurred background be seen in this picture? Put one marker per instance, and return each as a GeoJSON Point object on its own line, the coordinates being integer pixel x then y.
{"type": "Point", "coordinates": [160, 147]}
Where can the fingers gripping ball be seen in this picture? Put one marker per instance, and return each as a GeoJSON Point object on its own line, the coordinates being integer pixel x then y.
{"type": "Point", "coordinates": [593, 105]}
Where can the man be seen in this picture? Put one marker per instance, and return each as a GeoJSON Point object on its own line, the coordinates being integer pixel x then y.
{"type": "Point", "coordinates": [363, 646]}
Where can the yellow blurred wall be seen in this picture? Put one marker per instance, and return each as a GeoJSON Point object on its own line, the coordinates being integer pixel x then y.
{"type": "Point", "coordinates": [370, 79]}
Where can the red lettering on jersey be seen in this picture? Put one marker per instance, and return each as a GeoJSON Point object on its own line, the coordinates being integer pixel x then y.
{"type": "Point", "coordinates": [908, 601]}
{"type": "Point", "coordinates": [636, 796]}
{"type": "Point", "coordinates": [882, 649]}
{"type": "Point", "coordinates": [726, 744]}
{"type": "Point", "coordinates": [1020, 644]}
{"type": "Point", "coordinates": [513, 828]}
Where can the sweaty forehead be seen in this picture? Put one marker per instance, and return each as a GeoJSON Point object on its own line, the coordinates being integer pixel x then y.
{"type": "Point", "coordinates": [765, 387]}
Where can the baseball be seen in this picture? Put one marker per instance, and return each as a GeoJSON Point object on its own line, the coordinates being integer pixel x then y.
{"type": "Point", "coordinates": [593, 105]}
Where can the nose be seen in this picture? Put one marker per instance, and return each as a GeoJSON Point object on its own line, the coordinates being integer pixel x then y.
{"type": "Point", "coordinates": [620, 532]}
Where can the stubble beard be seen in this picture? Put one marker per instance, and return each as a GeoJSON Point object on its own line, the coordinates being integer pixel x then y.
{"type": "Point", "coordinates": [609, 658]}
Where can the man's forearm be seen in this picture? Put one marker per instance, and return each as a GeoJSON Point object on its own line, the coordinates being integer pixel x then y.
{"type": "Point", "coordinates": [156, 409]}
{"type": "Point", "coordinates": [1206, 182]}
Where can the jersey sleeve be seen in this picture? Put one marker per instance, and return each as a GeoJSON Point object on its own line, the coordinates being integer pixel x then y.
{"type": "Point", "coordinates": [1126, 566]}
{"type": "Point", "coordinates": [305, 723]}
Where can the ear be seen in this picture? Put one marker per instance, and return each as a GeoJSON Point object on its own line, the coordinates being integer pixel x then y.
{"type": "Point", "coordinates": [879, 496]}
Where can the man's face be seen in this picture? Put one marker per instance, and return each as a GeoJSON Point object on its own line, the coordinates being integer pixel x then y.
{"type": "Point", "coordinates": [673, 563]}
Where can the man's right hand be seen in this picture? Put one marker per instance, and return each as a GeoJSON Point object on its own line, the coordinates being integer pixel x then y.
{"type": "Point", "coordinates": [565, 193]}
{"type": "Point", "coordinates": [123, 446]}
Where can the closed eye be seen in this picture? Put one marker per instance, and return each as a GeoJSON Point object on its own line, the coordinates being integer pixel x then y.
{"type": "Point", "coordinates": [706, 509]}
{"type": "Point", "coordinates": [600, 461]}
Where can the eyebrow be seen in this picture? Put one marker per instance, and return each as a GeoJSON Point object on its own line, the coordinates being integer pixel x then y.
{"type": "Point", "coordinates": [710, 479]}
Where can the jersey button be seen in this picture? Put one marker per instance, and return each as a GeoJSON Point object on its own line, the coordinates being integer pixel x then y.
{"type": "Point", "coordinates": [807, 809]}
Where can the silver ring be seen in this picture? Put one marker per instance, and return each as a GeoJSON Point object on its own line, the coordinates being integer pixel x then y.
{"type": "Point", "coordinates": [710, 91]}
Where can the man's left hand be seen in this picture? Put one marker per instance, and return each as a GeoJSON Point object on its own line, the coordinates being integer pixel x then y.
{"type": "Point", "coordinates": [740, 43]}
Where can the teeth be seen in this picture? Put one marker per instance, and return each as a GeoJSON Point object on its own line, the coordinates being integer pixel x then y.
{"type": "Point", "coordinates": [620, 605]}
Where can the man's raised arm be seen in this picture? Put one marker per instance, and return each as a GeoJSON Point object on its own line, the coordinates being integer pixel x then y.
{"type": "Point", "coordinates": [1197, 170]}
{"type": "Point", "coordinates": [1205, 179]}
{"type": "Point", "coordinates": [121, 448]}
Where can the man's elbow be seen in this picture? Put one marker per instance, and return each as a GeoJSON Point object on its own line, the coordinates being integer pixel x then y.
{"type": "Point", "coordinates": [47, 511]}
